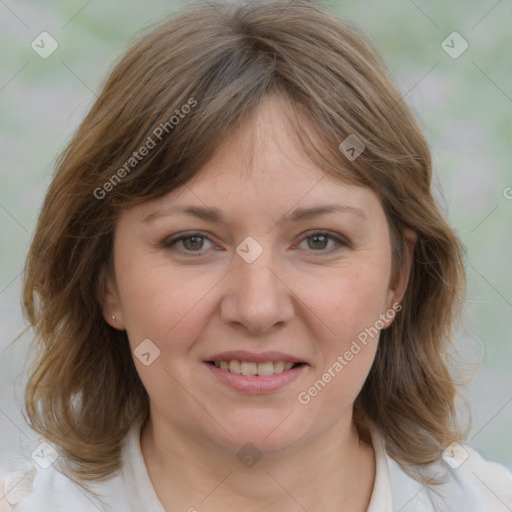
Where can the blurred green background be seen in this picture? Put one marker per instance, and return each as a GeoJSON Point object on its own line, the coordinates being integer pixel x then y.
{"type": "Point", "coordinates": [464, 104]}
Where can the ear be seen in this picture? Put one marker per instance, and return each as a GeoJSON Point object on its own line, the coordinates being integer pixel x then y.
{"type": "Point", "coordinates": [108, 297]}
{"type": "Point", "coordinates": [398, 285]}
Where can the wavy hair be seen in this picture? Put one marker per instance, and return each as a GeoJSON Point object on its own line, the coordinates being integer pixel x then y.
{"type": "Point", "coordinates": [83, 391]}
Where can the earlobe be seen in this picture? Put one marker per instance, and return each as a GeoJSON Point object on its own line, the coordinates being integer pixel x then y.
{"type": "Point", "coordinates": [108, 298]}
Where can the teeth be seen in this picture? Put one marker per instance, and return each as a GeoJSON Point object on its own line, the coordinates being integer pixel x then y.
{"type": "Point", "coordinates": [234, 367]}
{"type": "Point", "coordinates": [279, 366]}
{"type": "Point", "coordinates": [265, 368]}
{"type": "Point", "coordinates": [248, 368]}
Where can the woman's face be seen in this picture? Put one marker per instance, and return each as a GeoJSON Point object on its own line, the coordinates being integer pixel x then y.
{"type": "Point", "coordinates": [263, 277]}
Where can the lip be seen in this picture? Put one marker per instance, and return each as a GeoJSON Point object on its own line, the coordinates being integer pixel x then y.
{"type": "Point", "coordinates": [254, 357]}
{"type": "Point", "coordinates": [257, 384]}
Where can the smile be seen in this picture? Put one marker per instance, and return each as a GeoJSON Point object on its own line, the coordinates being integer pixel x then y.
{"type": "Point", "coordinates": [251, 368]}
{"type": "Point", "coordinates": [255, 378]}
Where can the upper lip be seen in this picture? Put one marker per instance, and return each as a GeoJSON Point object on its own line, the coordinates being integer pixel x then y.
{"type": "Point", "coordinates": [255, 357]}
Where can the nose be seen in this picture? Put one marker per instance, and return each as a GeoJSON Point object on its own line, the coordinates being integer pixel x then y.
{"type": "Point", "coordinates": [258, 295]}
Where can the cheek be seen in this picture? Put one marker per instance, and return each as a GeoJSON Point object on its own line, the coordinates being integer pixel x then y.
{"type": "Point", "coordinates": [346, 341]}
{"type": "Point", "coordinates": [350, 301]}
{"type": "Point", "coordinates": [165, 307]}
{"type": "Point", "coordinates": [348, 308]}
{"type": "Point", "coordinates": [163, 304]}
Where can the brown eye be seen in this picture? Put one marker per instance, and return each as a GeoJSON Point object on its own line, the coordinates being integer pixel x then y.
{"type": "Point", "coordinates": [186, 243]}
{"type": "Point", "coordinates": [319, 241]}
{"type": "Point", "coordinates": [193, 242]}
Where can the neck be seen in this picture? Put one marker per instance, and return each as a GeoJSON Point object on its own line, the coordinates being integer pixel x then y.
{"type": "Point", "coordinates": [330, 473]}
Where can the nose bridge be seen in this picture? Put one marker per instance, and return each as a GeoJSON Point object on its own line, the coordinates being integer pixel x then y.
{"type": "Point", "coordinates": [256, 296]}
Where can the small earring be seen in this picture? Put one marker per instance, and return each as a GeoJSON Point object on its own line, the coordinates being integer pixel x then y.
{"type": "Point", "coordinates": [113, 317]}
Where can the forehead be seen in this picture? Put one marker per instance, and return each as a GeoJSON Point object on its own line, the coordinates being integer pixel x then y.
{"type": "Point", "coordinates": [261, 169]}
{"type": "Point", "coordinates": [264, 160]}
{"type": "Point", "coordinates": [265, 153]}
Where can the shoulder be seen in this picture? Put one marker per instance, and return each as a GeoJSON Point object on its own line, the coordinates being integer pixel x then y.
{"type": "Point", "coordinates": [15, 487]}
{"type": "Point", "coordinates": [34, 488]}
{"type": "Point", "coordinates": [470, 483]}
{"type": "Point", "coordinates": [493, 480]}
{"type": "Point", "coordinates": [38, 482]}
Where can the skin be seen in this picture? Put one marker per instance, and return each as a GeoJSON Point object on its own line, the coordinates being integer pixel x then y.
{"type": "Point", "coordinates": [303, 296]}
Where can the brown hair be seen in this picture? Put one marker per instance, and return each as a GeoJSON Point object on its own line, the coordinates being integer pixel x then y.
{"type": "Point", "coordinates": [222, 60]}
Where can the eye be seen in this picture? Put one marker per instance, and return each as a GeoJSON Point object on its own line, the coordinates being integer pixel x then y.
{"type": "Point", "coordinates": [192, 243]}
{"type": "Point", "coordinates": [319, 241]}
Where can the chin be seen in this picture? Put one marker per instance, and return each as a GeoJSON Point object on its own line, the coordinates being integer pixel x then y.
{"type": "Point", "coordinates": [267, 432]}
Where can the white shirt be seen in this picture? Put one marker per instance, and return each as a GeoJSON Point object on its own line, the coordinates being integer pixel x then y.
{"type": "Point", "coordinates": [472, 485]}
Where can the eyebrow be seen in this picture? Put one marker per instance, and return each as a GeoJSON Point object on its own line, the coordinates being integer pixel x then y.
{"type": "Point", "coordinates": [214, 215]}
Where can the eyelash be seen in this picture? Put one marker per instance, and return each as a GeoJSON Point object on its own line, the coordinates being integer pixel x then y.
{"type": "Point", "coordinates": [171, 242]}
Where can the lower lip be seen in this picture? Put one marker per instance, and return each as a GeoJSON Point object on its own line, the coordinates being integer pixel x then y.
{"type": "Point", "coordinates": [257, 384]}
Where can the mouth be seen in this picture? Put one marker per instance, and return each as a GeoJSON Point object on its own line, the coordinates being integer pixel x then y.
{"type": "Point", "coordinates": [250, 368]}
{"type": "Point", "coordinates": [255, 373]}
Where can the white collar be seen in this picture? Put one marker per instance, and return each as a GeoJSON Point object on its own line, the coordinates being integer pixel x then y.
{"type": "Point", "coordinates": [141, 494]}
{"type": "Point", "coordinates": [385, 496]}
{"type": "Point", "coordinates": [381, 500]}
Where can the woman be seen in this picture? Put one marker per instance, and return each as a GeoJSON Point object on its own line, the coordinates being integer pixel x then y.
{"type": "Point", "coordinates": [293, 355]}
